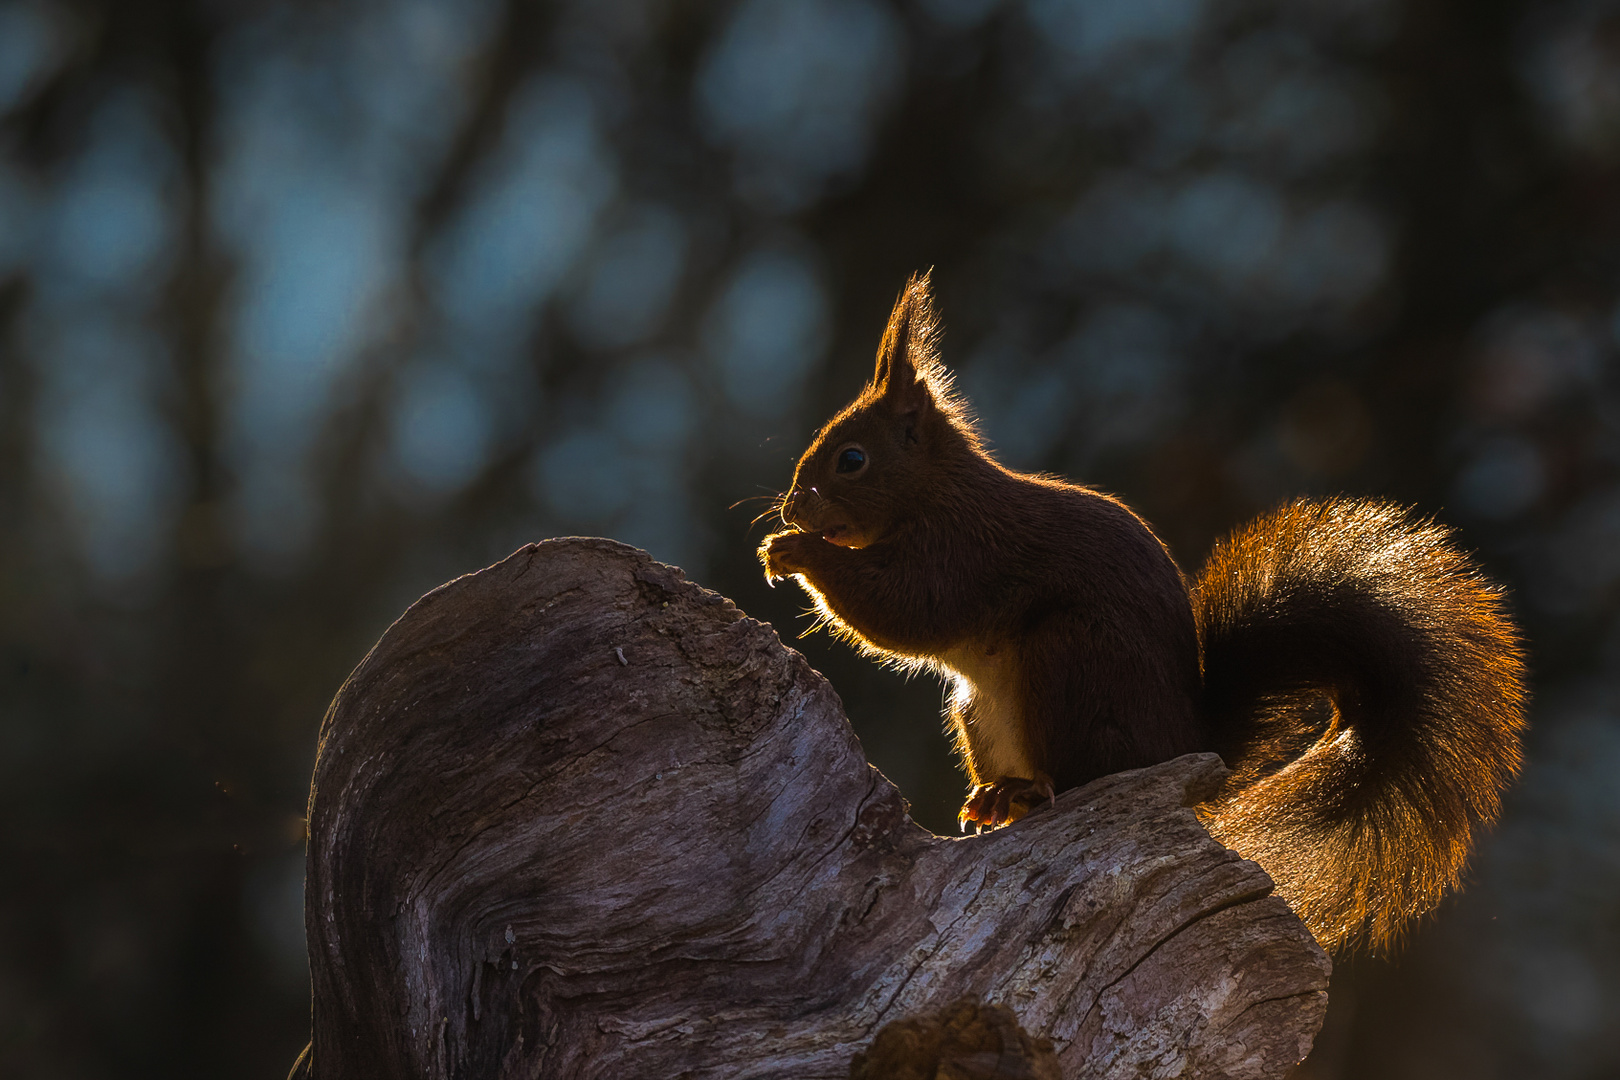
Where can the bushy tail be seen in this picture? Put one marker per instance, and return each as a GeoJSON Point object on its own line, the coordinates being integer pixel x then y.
{"type": "Point", "coordinates": [1366, 686]}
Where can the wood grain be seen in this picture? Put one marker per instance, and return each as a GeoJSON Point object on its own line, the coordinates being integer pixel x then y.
{"type": "Point", "coordinates": [574, 816]}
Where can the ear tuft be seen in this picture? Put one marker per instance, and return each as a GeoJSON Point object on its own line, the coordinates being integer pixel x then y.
{"type": "Point", "coordinates": [908, 357]}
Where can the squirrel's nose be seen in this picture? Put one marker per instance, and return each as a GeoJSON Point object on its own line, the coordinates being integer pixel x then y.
{"type": "Point", "coordinates": [794, 503]}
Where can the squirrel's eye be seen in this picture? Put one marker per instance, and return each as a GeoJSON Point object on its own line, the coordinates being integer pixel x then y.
{"type": "Point", "coordinates": [851, 459]}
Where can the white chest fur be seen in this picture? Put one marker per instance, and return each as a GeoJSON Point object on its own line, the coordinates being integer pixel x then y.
{"type": "Point", "coordinates": [986, 712]}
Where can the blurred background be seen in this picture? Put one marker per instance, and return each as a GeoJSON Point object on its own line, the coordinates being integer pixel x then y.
{"type": "Point", "coordinates": [306, 307]}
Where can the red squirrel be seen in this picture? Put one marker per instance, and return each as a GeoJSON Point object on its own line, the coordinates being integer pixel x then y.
{"type": "Point", "coordinates": [1357, 673]}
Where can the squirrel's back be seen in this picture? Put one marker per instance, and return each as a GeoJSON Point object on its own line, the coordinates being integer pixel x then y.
{"type": "Point", "coordinates": [1366, 686]}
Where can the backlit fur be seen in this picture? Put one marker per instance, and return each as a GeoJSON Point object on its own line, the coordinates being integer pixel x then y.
{"type": "Point", "coordinates": [1359, 675]}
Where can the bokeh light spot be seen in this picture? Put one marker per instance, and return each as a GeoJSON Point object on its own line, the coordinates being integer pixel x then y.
{"type": "Point", "coordinates": [767, 329]}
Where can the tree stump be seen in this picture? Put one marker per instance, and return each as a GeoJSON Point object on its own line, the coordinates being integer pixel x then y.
{"type": "Point", "coordinates": [574, 816]}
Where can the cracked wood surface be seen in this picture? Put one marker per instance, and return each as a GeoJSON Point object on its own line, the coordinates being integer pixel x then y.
{"type": "Point", "coordinates": [574, 816]}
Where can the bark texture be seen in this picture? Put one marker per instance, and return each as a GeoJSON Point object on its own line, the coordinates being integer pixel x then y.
{"type": "Point", "coordinates": [574, 816]}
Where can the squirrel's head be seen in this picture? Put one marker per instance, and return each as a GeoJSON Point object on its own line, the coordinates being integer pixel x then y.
{"type": "Point", "coordinates": [879, 460]}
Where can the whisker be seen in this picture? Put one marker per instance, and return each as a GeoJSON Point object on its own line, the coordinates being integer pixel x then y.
{"type": "Point", "coordinates": [778, 502]}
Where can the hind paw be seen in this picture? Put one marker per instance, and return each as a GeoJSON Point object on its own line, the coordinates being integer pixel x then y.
{"type": "Point", "coordinates": [1004, 801]}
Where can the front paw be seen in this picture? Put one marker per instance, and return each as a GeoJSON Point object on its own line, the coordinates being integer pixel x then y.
{"type": "Point", "coordinates": [1004, 801]}
{"type": "Point", "coordinates": [783, 554]}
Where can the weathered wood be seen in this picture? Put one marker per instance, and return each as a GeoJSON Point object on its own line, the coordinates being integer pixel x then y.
{"type": "Point", "coordinates": [576, 817]}
{"type": "Point", "coordinates": [966, 1040]}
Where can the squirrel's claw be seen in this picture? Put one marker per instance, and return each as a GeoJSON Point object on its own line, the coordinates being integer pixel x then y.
{"type": "Point", "coordinates": [1004, 801]}
{"type": "Point", "coordinates": [776, 553]}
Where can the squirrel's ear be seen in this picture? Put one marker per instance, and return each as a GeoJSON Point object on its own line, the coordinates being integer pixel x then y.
{"type": "Point", "coordinates": [907, 353]}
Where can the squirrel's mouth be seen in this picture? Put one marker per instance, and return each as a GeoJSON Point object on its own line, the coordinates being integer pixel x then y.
{"type": "Point", "coordinates": [819, 517]}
